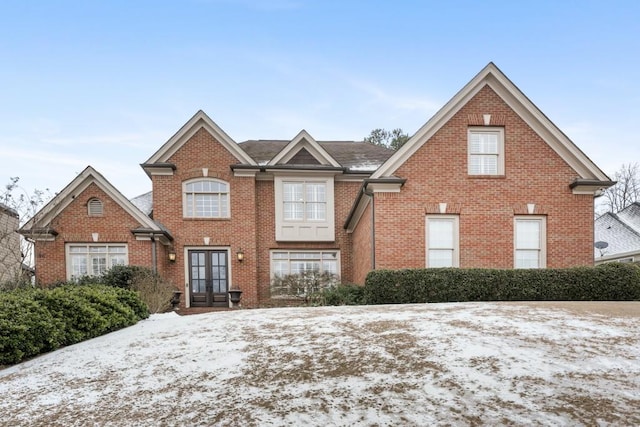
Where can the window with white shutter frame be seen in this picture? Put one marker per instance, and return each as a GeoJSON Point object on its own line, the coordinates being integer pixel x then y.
{"type": "Point", "coordinates": [485, 151]}
{"type": "Point", "coordinates": [530, 242]}
{"type": "Point", "coordinates": [442, 238]}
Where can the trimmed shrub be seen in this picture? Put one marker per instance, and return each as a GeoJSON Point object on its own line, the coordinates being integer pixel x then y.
{"type": "Point", "coordinates": [342, 294]}
{"type": "Point", "coordinates": [26, 327]}
{"type": "Point", "coordinates": [607, 282]}
{"type": "Point", "coordinates": [40, 320]}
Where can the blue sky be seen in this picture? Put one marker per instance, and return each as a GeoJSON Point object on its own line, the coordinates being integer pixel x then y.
{"type": "Point", "coordinates": [106, 83]}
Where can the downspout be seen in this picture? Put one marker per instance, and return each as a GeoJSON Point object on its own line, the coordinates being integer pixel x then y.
{"type": "Point", "coordinates": [373, 228]}
{"type": "Point", "coordinates": [154, 255]}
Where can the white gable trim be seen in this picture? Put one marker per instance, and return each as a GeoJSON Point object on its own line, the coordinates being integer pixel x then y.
{"type": "Point", "coordinates": [303, 140]}
{"type": "Point", "coordinates": [198, 121]}
{"type": "Point", "coordinates": [494, 78]}
{"type": "Point", "coordinates": [80, 183]}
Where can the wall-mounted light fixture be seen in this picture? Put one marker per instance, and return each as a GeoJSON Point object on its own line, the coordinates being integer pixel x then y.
{"type": "Point", "coordinates": [172, 255]}
{"type": "Point", "coordinates": [240, 255]}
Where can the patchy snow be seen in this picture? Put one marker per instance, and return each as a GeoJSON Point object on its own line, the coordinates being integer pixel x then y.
{"type": "Point", "coordinates": [427, 364]}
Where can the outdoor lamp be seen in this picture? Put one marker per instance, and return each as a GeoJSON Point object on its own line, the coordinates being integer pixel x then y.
{"type": "Point", "coordinates": [240, 255]}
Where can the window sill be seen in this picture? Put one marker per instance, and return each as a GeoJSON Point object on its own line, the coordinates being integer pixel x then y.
{"type": "Point", "coordinates": [205, 219]}
{"type": "Point", "coordinates": [486, 176]}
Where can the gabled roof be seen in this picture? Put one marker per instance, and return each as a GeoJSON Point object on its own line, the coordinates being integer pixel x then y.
{"type": "Point", "coordinates": [631, 216]}
{"type": "Point", "coordinates": [621, 236]}
{"type": "Point", "coordinates": [198, 121]}
{"type": "Point", "coordinates": [41, 222]}
{"type": "Point", "coordinates": [352, 155]}
{"type": "Point", "coordinates": [303, 141]}
{"type": "Point", "coordinates": [494, 78]}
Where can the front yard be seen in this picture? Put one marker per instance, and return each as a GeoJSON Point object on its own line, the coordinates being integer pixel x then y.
{"type": "Point", "coordinates": [424, 364]}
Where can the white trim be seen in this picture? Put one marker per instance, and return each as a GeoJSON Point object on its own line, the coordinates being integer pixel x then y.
{"type": "Point", "coordinates": [499, 131]}
{"type": "Point", "coordinates": [205, 179]}
{"type": "Point", "coordinates": [198, 121]}
{"type": "Point", "coordinates": [303, 140]}
{"type": "Point", "coordinates": [521, 105]}
{"type": "Point", "coordinates": [67, 255]}
{"type": "Point", "coordinates": [185, 257]}
{"type": "Point", "coordinates": [456, 237]}
{"type": "Point", "coordinates": [305, 230]}
{"type": "Point", "coordinates": [543, 237]}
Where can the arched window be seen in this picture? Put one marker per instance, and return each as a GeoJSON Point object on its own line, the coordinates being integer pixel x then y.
{"type": "Point", "coordinates": [206, 198]}
{"type": "Point", "coordinates": [94, 207]}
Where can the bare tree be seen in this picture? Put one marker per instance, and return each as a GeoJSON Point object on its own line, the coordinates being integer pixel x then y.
{"type": "Point", "coordinates": [626, 191]}
{"type": "Point", "coordinates": [16, 253]}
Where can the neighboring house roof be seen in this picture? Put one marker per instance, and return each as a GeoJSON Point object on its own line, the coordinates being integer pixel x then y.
{"type": "Point", "coordinates": [353, 155]}
{"type": "Point", "coordinates": [8, 211]}
{"type": "Point", "coordinates": [620, 231]}
{"type": "Point", "coordinates": [198, 121]}
{"type": "Point", "coordinates": [40, 224]}
{"type": "Point", "coordinates": [590, 177]}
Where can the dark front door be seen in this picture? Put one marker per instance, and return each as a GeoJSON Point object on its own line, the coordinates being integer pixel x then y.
{"type": "Point", "coordinates": [208, 279]}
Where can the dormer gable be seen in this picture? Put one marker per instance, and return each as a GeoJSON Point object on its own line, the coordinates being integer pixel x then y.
{"type": "Point", "coordinates": [158, 163]}
{"type": "Point", "coordinates": [303, 148]}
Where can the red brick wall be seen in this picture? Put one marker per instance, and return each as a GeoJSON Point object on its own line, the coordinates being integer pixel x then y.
{"type": "Point", "coordinates": [74, 225]}
{"type": "Point", "coordinates": [237, 232]}
{"type": "Point", "coordinates": [344, 195]}
{"type": "Point", "coordinates": [437, 173]}
{"type": "Point", "coordinates": [362, 246]}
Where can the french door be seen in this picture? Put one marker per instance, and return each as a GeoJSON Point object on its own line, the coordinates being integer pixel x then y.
{"type": "Point", "coordinates": [209, 278]}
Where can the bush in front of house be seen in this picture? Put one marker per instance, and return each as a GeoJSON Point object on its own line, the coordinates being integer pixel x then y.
{"type": "Point", "coordinates": [607, 282]}
{"type": "Point", "coordinates": [340, 294]}
{"type": "Point", "coordinates": [155, 291]}
{"type": "Point", "coordinates": [36, 321]}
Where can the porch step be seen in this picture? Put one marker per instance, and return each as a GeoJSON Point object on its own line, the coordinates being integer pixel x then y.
{"type": "Point", "coordinates": [199, 310]}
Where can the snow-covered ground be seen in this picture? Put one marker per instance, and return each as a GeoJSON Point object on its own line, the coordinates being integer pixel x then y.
{"type": "Point", "coordinates": [429, 364]}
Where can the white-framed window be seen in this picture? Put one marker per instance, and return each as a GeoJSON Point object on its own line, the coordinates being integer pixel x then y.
{"type": "Point", "coordinates": [304, 208]}
{"type": "Point", "coordinates": [485, 151]}
{"type": "Point", "coordinates": [442, 240]}
{"type": "Point", "coordinates": [94, 259]}
{"type": "Point", "coordinates": [530, 242]}
{"type": "Point", "coordinates": [95, 207]}
{"type": "Point", "coordinates": [301, 272]}
{"type": "Point", "coordinates": [304, 200]}
{"type": "Point", "coordinates": [206, 198]}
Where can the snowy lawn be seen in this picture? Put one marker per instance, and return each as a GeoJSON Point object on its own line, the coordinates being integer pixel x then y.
{"type": "Point", "coordinates": [428, 364]}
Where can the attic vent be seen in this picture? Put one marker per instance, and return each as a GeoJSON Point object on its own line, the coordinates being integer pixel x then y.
{"type": "Point", "coordinates": [94, 207]}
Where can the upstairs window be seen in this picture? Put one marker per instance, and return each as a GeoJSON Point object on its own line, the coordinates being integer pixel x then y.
{"type": "Point", "coordinates": [94, 207]}
{"type": "Point", "coordinates": [206, 198]}
{"type": "Point", "coordinates": [305, 201]}
{"type": "Point", "coordinates": [304, 208]}
{"type": "Point", "coordinates": [486, 151]}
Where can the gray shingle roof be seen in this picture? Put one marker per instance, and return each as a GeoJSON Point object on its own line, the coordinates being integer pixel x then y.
{"type": "Point", "coordinates": [621, 231]}
{"type": "Point", "coordinates": [353, 155]}
{"type": "Point", "coordinates": [144, 202]}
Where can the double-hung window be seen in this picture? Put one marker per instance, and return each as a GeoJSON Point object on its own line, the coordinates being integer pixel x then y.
{"type": "Point", "coordinates": [206, 198]}
{"type": "Point", "coordinates": [529, 242]}
{"type": "Point", "coordinates": [442, 241]}
{"type": "Point", "coordinates": [94, 260]}
{"type": "Point", "coordinates": [485, 151]}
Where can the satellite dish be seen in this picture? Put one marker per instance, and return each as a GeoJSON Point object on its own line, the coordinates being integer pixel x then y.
{"type": "Point", "coordinates": [601, 245]}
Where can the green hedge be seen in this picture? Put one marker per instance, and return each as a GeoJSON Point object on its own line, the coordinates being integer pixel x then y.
{"type": "Point", "coordinates": [40, 320]}
{"type": "Point", "coordinates": [607, 282]}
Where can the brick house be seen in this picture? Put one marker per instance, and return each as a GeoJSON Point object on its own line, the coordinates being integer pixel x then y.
{"type": "Point", "coordinates": [10, 251]}
{"type": "Point", "coordinates": [488, 181]}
